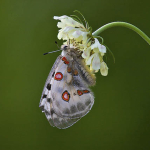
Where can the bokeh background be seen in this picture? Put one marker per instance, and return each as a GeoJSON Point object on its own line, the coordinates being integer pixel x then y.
{"type": "Point", "coordinates": [120, 118]}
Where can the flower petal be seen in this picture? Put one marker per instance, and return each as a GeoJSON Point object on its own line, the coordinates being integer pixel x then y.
{"type": "Point", "coordinates": [71, 22]}
{"type": "Point", "coordinates": [101, 48]}
{"type": "Point", "coordinates": [88, 61]}
{"type": "Point", "coordinates": [68, 21]}
{"type": "Point", "coordinates": [61, 25]}
{"type": "Point", "coordinates": [96, 50]}
{"type": "Point", "coordinates": [86, 53]}
{"type": "Point", "coordinates": [77, 33]}
{"type": "Point", "coordinates": [62, 35]}
{"type": "Point", "coordinates": [68, 28]}
{"type": "Point", "coordinates": [96, 62]}
{"type": "Point", "coordinates": [84, 35]}
{"type": "Point", "coordinates": [95, 45]}
{"type": "Point", "coordinates": [104, 69]}
{"type": "Point", "coordinates": [60, 18]}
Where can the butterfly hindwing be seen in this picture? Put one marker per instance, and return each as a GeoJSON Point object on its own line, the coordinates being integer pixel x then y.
{"type": "Point", "coordinates": [62, 123]}
{"type": "Point", "coordinates": [73, 102]}
{"type": "Point", "coordinates": [59, 122]}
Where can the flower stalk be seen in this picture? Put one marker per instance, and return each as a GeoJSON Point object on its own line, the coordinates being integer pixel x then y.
{"type": "Point", "coordinates": [122, 24]}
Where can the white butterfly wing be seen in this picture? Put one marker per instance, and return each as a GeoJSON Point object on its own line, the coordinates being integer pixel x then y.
{"type": "Point", "coordinates": [46, 102]}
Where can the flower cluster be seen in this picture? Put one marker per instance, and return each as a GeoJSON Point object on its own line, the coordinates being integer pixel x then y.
{"type": "Point", "coordinates": [80, 37]}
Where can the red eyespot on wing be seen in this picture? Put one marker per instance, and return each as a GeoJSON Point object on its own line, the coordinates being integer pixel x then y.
{"type": "Point", "coordinates": [79, 92]}
{"type": "Point", "coordinates": [58, 76]}
{"type": "Point", "coordinates": [66, 62]}
{"type": "Point", "coordinates": [75, 73]}
{"type": "Point", "coordinates": [68, 69]}
{"type": "Point", "coordinates": [64, 59]}
{"type": "Point", "coordinates": [86, 91]}
{"type": "Point", "coordinates": [66, 96]}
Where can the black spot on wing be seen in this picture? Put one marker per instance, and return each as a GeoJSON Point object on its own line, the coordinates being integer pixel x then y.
{"type": "Point", "coordinates": [42, 107]}
{"type": "Point", "coordinates": [47, 113]}
{"type": "Point", "coordinates": [74, 94]}
{"type": "Point", "coordinates": [66, 111]}
{"type": "Point", "coordinates": [73, 109]}
{"type": "Point", "coordinates": [48, 100]}
{"type": "Point", "coordinates": [48, 86]}
{"type": "Point", "coordinates": [76, 83]}
{"type": "Point", "coordinates": [53, 74]}
{"type": "Point", "coordinates": [52, 111]}
{"type": "Point", "coordinates": [80, 106]}
{"type": "Point", "coordinates": [44, 96]}
{"type": "Point", "coordinates": [88, 101]}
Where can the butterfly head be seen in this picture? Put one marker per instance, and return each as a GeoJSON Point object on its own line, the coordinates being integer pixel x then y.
{"type": "Point", "coordinates": [65, 47]}
{"type": "Point", "coordinates": [67, 50]}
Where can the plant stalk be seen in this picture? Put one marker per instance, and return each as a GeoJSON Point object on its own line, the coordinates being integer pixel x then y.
{"type": "Point", "coordinates": [122, 24]}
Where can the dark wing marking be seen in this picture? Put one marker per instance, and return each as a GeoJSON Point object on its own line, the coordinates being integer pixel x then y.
{"type": "Point", "coordinates": [62, 123]}
{"type": "Point", "coordinates": [57, 121]}
{"type": "Point", "coordinates": [50, 76]}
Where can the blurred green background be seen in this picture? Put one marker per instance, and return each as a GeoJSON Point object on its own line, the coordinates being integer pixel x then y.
{"type": "Point", "coordinates": [120, 117]}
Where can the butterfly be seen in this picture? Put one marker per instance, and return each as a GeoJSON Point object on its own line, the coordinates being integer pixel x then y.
{"type": "Point", "coordinates": [66, 96]}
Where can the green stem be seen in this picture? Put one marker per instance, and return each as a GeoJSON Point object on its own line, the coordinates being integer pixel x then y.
{"type": "Point", "coordinates": [122, 24]}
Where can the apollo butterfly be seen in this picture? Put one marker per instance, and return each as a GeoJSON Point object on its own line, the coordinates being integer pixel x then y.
{"type": "Point", "coordinates": [66, 95]}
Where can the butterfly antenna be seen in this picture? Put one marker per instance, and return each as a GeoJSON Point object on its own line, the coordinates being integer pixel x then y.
{"type": "Point", "coordinates": [51, 52]}
{"type": "Point", "coordinates": [57, 44]}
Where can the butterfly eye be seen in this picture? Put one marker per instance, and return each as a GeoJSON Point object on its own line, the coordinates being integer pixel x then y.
{"type": "Point", "coordinates": [65, 47]}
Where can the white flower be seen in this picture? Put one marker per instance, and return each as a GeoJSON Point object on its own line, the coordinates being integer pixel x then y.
{"type": "Point", "coordinates": [71, 29]}
{"type": "Point", "coordinates": [96, 58]}
{"type": "Point", "coordinates": [78, 33]}
{"type": "Point", "coordinates": [100, 47]}
{"type": "Point", "coordinates": [86, 53]}
{"type": "Point", "coordinates": [67, 21]}
{"type": "Point", "coordinates": [104, 69]}
{"type": "Point", "coordinates": [80, 37]}
{"type": "Point", "coordinates": [96, 62]}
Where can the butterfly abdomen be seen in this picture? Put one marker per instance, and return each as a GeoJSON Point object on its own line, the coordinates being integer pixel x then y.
{"type": "Point", "coordinates": [85, 73]}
